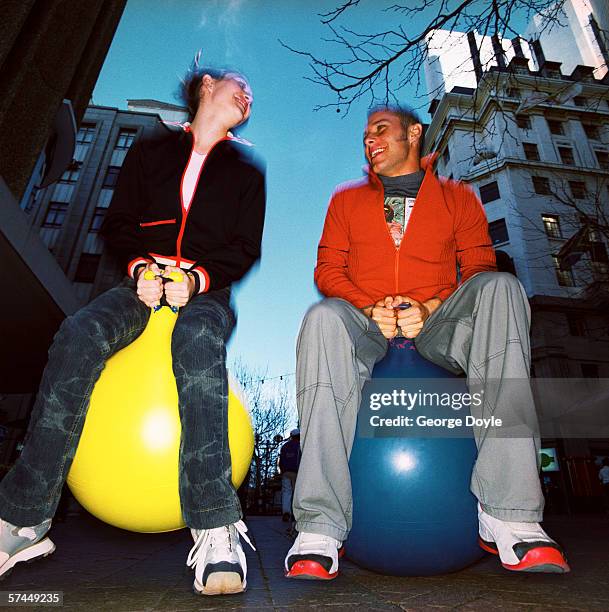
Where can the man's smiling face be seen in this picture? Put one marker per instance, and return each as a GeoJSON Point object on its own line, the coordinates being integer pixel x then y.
{"type": "Point", "coordinates": [386, 144]}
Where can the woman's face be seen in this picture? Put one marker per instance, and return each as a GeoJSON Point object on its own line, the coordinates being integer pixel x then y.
{"type": "Point", "coordinates": [232, 95]}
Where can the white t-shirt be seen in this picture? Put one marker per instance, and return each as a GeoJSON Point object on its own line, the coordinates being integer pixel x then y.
{"type": "Point", "coordinates": [191, 176]}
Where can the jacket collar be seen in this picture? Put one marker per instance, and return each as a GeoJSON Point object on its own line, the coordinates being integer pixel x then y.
{"type": "Point", "coordinates": [427, 164]}
{"type": "Point", "coordinates": [229, 135]}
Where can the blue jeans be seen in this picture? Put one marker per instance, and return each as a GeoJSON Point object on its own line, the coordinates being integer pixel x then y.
{"type": "Point", "coordinates": [30, 492]}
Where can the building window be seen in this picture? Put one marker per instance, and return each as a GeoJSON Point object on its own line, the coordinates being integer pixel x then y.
{"type": "Point", "coordinates": [591, 131]}
{"type": "Point", "coordinates": [523, 122]}
{"type": "Point", "coordinates": [598, 250]}
{"type": "Point", "coordinates": [541, 185]}
{"type": "Point", "coordinates": [603, 159]}
{"type": "Point", "coordinates": [556, 127]}
{"type": "Point", "coordinates": [514, 92]}
{"type": "Point", "coordinates": [84, 138]}
{"type": "Point", "coordinates": [446, 155]}
{"type": "Point", "coordinates": [86, 133]}
{"type": "Point", "coordinates": [72, 173]}
{"type": "Point", "coordinates": [31, 201]}
{"type": "Point", "coordinates": [599, 257]}
{"type": "Point", "coordinates": [531, 151]}
{"type": "Point", "coordinates": [98, 218]}
{"type": "Point", "coordinates": [593, 235]}
{"type": "Point", "coordinates": [580, 101]}
{"type": "Point", "coordinates": [56, 213]}
{"type": "Point", "coordinates": [564, 277]}
{"type": "Point", "coordinates": [577, 324]}
{"type": "Point", "coordinates": [111, 177]}
{"type": "Point", "coordinates": [551, 224]}
{"type": "Point", "coordinates": [578, 190]}
{"type": "Point", "coordinates": [589, 370]}
{"type": "Point", "coordinates": [63, 192]}
{"type": "Point", "coordinates": [125, 138]}
{"type": "Point", "coordinates": [489, 192]}
{"type": "Point", "coordinates": [87, 268]}
{"type": "Point", "coordinates": [498, 231]}
{"type": "Point", "coordinates": [566, 156]}
{"type": "Point", "coordinates": [105, 197]}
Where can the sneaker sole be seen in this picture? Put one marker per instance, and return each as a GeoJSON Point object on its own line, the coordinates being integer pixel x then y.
{"type": "Point", "coordinates": [309, 570]}
{"type": "Point", "coordinates": [221, 583]}
{"type": "Point", "coordinates": [543, 559]}
{"type": "Point", "coordinates": [39, 550]}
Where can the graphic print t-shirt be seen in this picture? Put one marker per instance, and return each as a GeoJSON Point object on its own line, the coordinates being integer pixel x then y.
{"type": "Point", "coordinates": [400, 193]}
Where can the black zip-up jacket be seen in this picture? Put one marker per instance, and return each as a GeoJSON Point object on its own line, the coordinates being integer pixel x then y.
{"type": "Point", "coordinates": [220, 233]}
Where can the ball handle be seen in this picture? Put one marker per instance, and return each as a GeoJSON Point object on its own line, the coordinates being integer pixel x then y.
{"type": "Point", "coordinates": [400, 336]}
{"type": "Point", "coordinates": [176, 277]}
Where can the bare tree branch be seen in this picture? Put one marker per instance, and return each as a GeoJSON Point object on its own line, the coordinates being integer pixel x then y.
{"type": "Point", "coordinates": [337, 12]}
{"type": "Point", "coordinates": [272, 410]}
{"type": "Point", "coordinates": [378, 64]}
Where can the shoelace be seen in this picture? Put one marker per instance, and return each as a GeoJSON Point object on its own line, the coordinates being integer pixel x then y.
{"type": "Point", "coordinates": [312, 544]}
{"type": "Point", "coordinates": [207, 534]}
{"type": "Point", "coordinates": [242, 530]}
{"type": "Point", "coordinates": [528, 533]}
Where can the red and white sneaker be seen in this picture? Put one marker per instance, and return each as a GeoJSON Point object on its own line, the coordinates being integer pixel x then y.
{"type": "Point", "coordinates": [313, 557]}
{"type": "Point", "coordinates": [522, 547]}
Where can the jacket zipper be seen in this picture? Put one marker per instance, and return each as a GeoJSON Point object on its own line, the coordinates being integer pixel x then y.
{"type": "Point", "coordinates": [184, 210]}
{"type": "Point", "coordinates": [396, 267]}
{"type": "Point", "coordinates": [396, 263]}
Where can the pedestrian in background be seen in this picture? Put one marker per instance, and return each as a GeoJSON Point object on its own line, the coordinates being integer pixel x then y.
{"type": "Point", "coordinates": [603, 476]}
{"type": "Point", "coordinates": [289, 460]}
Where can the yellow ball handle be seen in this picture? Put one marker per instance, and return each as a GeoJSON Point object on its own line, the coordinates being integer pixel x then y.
{"type": "Point", "coordinates": [176, 277]}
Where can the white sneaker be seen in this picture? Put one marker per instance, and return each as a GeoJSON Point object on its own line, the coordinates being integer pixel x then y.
{"type": "Point", "coordinates": [219, 560]}
{"type": "Point", "coordinates": [522, 547]}
{"type": "Point", "coordinates": [313, 556]}
{"type": "Point", "coordinates": [23, 544]}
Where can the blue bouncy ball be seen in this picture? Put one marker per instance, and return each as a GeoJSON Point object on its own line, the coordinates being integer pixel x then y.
{"type": "Point", "coordinates": [413, 512]}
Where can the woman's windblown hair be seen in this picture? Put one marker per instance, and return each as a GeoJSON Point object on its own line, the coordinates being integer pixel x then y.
{"type": "Point", "coordinates": [190, 85]}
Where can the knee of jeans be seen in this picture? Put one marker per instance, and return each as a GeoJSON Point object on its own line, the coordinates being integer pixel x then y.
{"type": "Point", "coordinates": [79, 333]}
{"type": "Point", "coordinates": [200, 332]}
{"type": "Point", "coordinates": [499, 280]}
{"type": "Point", "coordinates": [326, 312]}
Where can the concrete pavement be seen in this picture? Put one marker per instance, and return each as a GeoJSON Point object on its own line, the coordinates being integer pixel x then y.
{"type": "Point", "coordinates": [99, 567]}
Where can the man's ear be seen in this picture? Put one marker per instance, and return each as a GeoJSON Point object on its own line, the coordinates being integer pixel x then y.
{"type": "Point", "coordinates": [207, 82]}
{"type": "Point", "coordinates": [415, 131]}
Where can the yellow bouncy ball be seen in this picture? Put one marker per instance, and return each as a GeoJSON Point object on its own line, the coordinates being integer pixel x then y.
{"type": "Point", "coordinates": [125, 471]}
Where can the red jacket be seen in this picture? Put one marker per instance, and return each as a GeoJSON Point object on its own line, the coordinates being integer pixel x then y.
{"type": "Point", "coordinates": [358, 261]}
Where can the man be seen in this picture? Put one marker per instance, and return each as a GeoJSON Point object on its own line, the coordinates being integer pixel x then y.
{"type": "Point", "coordinates": [289, 459]}
{"type": "Point", "coordinates": [402, 235]}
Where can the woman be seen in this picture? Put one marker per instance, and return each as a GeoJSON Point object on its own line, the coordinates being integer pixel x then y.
{"type": "Point", "coordinates": [190, 201]}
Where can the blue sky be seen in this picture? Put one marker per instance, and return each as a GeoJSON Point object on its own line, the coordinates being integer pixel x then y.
{"type": "Point", "coordinates": [307, 153]}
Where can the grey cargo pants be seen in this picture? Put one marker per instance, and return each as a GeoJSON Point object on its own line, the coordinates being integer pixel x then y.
{"type": "Point", "coordinates": [482, 329]}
